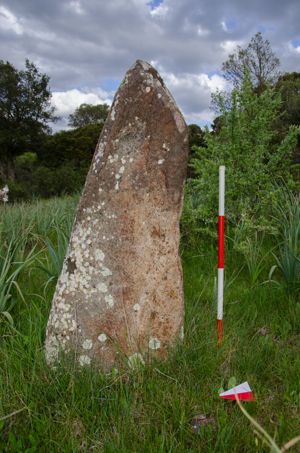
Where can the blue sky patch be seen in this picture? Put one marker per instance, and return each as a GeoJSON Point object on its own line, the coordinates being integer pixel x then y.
{"type": "Point", "coordinates": [231, 24]}
{"type": "Point", "coordinates": [111, 84]}
{"type": "Point", "coordinates": [295, 42]}
{"type": "Point", "coordinates": [154, 3]}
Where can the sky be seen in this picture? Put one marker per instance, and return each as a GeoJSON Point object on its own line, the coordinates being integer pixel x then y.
{"type": "Point", "coordinates": [86, 46]}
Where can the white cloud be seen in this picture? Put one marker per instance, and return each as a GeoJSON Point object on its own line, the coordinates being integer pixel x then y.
{"type": "Point", "coordinates": [224, 26]}
{"type": "Point", "coordinates": [75, 5]}
{"type": "Point", "coordinates": [293, 49]}
{"type": "Point", "coordinates": [65, 102]}
{"type": "Point", "coordinates": [193, 93]}
{"type": "Point", "coordinates": [159, 11]}
{"type": "Point", "coordinates": [92, 43]}
{"type": "Point", "coordinates": [8, 21]}
{"type": "Point", "coordinates": [230, 46]}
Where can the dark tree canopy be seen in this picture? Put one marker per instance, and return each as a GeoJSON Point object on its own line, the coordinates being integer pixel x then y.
{"type": "Point", "coordinates": [24, 108]}
{"type": "Point", "coordinates": [289, 87]}
{"type": "Point", "coordinates": [258, 59]}
{"type": "Point", "coordinates": [196, 136]}
{"type": "Point", "coordinates": [87, 114]}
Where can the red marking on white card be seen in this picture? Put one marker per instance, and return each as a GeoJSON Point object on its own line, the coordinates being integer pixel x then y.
{"type": "Point", "coordinates": [243, 392]}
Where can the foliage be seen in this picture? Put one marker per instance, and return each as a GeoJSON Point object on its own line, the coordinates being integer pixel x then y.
{"type": "Point", "coordinates": [288, 85]}
{"type": "Point", "coordinates": [13, 261]}
{"type": "Point", "coordinates": [75, 146]}
{"type": "Point", "coordinates": [56, 252]}
{"type": "Point", "coordinates": [245, 144]}
{"type": "Point", "coordinates": [24, 108]}
{"type": "Point", "coordinates": [59, 167]}
{"type": "Point", "coordinates": [196, 139]}
{"type": "Point", "coordinates": [287, 216]}
{"type": "Point", "coordinates": [258, 59]}
{"type": "Point", "coordinates": [87, 114]}
{"type": "Point", "coordinates": [251, 248]}
{"type": "Point", "coordinates": [150, 409]}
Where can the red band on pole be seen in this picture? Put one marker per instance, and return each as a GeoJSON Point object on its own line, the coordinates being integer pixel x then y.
{"type": "Point", "coordinates": [220, 331]}
{"type": "Point", "coordinates": [221, 243]}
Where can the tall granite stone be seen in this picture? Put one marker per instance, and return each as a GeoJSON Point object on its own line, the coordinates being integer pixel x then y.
{"type": "Point", "coordinates": [120, 295]}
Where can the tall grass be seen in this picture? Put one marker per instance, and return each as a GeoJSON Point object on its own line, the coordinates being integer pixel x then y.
{"type": "Point", "coordinates": [56, 246]}
{"type": "Point", "coordinates": [13, 261]}
{"type": "Point", "coordinates": [149, 409]}
{"type": "Point", "coordinates": [287, 257]}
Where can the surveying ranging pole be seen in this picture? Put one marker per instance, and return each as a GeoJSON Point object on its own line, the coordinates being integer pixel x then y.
{"type": "Point", "coordinates": [221, 252]}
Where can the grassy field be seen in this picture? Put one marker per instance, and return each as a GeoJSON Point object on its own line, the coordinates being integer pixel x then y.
{"type": "Point", "coordinates": [150, 409]}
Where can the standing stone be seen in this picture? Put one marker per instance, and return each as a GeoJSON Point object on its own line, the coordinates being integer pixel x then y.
{"type": "Point", "coordinates": [120, 294]}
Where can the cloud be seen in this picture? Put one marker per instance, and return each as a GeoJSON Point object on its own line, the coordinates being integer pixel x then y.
{"type": "Point", "coordinates": [65, 103]}
{"type": "Point", "coordinates": [83, 46]}
{"type": "Point", "coordinates": [193, 93]}
{"type": "Point", "coordinates": [8, 21]}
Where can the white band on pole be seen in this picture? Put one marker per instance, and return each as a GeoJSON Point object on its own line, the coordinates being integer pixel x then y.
{"type": "Point", "coordinates": [220, 293]}
{"type": "Point", "coordinates": [222, 190]}
{"type": "Point", "coordinates": [221, 244]}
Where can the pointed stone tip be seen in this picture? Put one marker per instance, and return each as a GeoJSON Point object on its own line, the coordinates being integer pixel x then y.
{"type": "Point", "coordinates": [147, 69]}
{"type": "Point", "coordinates": [141, 63]}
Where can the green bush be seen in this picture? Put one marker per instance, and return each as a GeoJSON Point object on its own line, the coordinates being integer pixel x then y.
{"type": "Point", "coordinates": [246, 145]}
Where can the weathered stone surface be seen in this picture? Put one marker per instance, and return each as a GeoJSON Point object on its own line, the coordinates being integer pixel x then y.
{"type": "Point", "coordinates": [120, 291]}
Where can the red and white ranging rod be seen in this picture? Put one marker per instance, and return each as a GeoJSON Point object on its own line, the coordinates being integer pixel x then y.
{"type": "Point", "coordinates": [221, 252]}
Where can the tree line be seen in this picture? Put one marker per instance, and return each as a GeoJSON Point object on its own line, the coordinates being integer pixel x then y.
{"type": "Point", "coordinates": [34, 162]}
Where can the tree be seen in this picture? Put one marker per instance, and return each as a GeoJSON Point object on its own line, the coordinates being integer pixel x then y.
{"type": "Point", "coordinates": [87, 114]}
{"type": "Point", "coordinates": [25, 109]}
{"type": "Point", "coordinates": [246, 143]}
{"type": "Point", "coordinates": [196, 139]}
{"type": "Point", "coordinates": [288, 85]}
{"type": "Point", "coordinates": [76, 145]}
{"type": "Point", "coordinates": [258, 59]}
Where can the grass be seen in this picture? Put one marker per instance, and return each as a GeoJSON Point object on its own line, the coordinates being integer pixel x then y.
{"type": "Point", "coordinates": [150, 409]}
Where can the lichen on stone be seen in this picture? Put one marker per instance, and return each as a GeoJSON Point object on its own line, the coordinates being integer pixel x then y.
{"type": "Point", "coordinates": [84, 360]}
{"type": "Point", "coordinates": [154, 343]}
{"type": "Point", "coordinates": [102, 337]}
{"type": "Point", "coordinates": [87, 344]}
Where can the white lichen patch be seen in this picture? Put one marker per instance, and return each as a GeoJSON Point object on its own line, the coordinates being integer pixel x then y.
{"type": "Point", "coordinates": [136, 360]}
{"type": "Point", "coordinates": [159, 95]}
{"type": "Point", "coordinates": [84, 360]}
{"type": "Point", "coordinates": [98, 155]}
{"type": "Point", "coordinates": [51, 349]}
{"type": "Point", "coordinates": [146, 66]}
{"type": "Point", "coordinates": [87, 344]}
{"type": "Point", "coordinates": [136, 307]}
{"type": "Point", "coordinates": [109, 300]}
{"type": "Point", "coordinates": [102, 337]}
{"type": "Point", "coordinates": [102, 287]}
{"type": "Point", "coordinates": [160, 161]}
{"type": "Point", "coordinates": [148, 89]}
{"type": "Point", "coordinates": [121, 170]}
{"type": "Point", "coordinates": [105, 272]}
{"type": "Point", "coordinates": [99, 255]}
{"type": "Point", "coordinates": [181, 334]}
{"type": "Point", "coordinates": [113, 114]}
{"type": "Point", "coordinates": [154, 343]}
